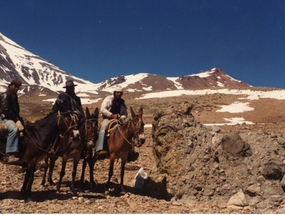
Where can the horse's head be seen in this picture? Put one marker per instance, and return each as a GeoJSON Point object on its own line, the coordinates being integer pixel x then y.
{"type": "Point", "coordinates": [91, 131]}
{"type": "Point", "coordinates": [138, 126]}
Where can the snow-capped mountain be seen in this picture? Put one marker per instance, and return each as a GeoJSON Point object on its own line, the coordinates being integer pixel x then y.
{"type": "Point", "coordinates": [40, 77]}
{"type": "Point", "coordinates": [35, 72]}
{"type": "Point", "coordinates": [148, 82]}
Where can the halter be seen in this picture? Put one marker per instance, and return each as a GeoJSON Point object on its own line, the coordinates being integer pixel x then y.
{"type": "Point", "coordinates": [74, 119]}
{"type": "Point", "coordinates": [138, 126]}
{"type": "Point", "coordinates": [93, 121]}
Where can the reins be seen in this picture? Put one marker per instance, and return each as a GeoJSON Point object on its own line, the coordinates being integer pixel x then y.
{"type": "Point", "coordinates": [133, 134]}
{"type": "Point", "coordinates": [59, 116]}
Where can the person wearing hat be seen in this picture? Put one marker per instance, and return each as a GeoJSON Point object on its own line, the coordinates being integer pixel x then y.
{"type": "Point", "coordinates": [112, 107]}
{"type": "Point", "coordinates": [69, 100]}
{"type": "Point", "coordinates": [10, 110]}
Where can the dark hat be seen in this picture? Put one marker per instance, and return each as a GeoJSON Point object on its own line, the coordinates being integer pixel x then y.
{"type": "Point", "coordinates": [16, 82]}
{"type": "Point", "coordinates": [69, 84]}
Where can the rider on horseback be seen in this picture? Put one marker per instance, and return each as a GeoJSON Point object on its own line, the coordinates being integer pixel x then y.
{"type": "Point", "coordinates": [10, 117]}
{"type": "Point", "coordinates": [113, 107]}
{"type": "Point", "coordinates": [69, 100]}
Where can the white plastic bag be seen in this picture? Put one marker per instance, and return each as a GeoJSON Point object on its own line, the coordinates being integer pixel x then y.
{"type": "Point", "coordinates": [139, 179]}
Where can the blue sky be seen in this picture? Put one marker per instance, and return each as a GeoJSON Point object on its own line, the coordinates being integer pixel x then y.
{"type": "Point", "coordinates": [99, 39]}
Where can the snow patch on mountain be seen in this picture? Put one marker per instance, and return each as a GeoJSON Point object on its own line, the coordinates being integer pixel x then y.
{"type": "Point", "coordinates": [176, 83]}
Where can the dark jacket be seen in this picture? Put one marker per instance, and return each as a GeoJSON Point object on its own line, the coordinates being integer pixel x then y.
{"type": "Point", "coordinates": [10, 106]}
{"type": "Point", "coordinates": [71, 103]}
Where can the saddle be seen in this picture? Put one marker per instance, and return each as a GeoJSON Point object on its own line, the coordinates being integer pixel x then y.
{"type": "Point", "coordinates": [111, 126]}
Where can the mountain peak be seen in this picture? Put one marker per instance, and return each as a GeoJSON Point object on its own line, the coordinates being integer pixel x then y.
{"type": "Point", "coordinates": [40, 76]}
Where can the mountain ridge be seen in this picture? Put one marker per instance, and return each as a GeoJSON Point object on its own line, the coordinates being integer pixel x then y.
{"type": "Point", "coordinates": [41, 77]}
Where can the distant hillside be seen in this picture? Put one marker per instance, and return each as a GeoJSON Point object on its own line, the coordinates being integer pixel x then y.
{"type": "Point", "coordinates": [40, 77]}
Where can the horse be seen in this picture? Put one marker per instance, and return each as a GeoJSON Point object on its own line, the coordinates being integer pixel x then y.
{"type": "Point", "coordinates": [119, 144]}
{"type": "Point", "coordinates": [92, 137]}
{"type": "Point", "coordinates": [35, 143]}
{"type": "Point", "coordinates": [75, 146]}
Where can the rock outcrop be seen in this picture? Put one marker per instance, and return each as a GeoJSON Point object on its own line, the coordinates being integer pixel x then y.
{"type": "Point", "coordinates": [199, 165]}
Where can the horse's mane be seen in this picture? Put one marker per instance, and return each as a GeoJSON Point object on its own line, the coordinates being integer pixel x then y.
{"type": "Point", "coordinates": [81, 121]}
{"type": "Point", "coordinates": [42, 119]}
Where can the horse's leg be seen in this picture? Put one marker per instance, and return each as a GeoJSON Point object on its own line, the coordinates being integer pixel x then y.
{"type": "Point", "coordinates": [75, 163]}
{"type": "Point", "coordinates": [62, 172]}
{"type": "Point", "coordinates": [29, 177]}
{"type": "Point", "coordinates": [124, 160]}
{"type": "Point", "coordinates": [51, 168]}
{"type": "Point", "coordinates": [45, 172]}
{"type": "Point", "coordinates": [83, 170]}
{"type": "Point", "coordinates": [112, 160]}
{"type": "Point", "coordinates": [91, 163]}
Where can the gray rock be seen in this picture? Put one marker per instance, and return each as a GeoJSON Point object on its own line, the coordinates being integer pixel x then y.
{"type": "Point", "coordinates": [233, 144]}
{"type": "Point", "coordinates": [238, 200]}
{"type": "Point", "coordinates": [257, 211]}
{"type": "Point", "coordinates": [272, 170]}
{"type": "Point", "coordinates": [281, 141]}
{"type": "Point", "coordinates": [253, 190]}
{"type": "Point", "coordinates": [282, 182]}
{"type": "Point", "coordinates": [216, 129]}
{"type": "Point", "coordinates": [217, 139]}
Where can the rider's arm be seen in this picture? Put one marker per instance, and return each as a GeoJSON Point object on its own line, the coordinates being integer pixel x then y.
{"type": "Point", "coordinates": [106, 106]}
{"type": "Point", "coordinates": [6, 109]}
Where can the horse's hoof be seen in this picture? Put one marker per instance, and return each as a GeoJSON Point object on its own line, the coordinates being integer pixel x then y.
{"type": "Point", "coordinates": [73, 192]}
{"type": "Point", "coordinates": [79, 189]}
{"type": "Point", "coordinates": [29, 200]}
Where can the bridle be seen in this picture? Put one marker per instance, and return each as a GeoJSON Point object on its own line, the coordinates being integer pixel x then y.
{"type": "Point", "coordinates": [139, 126]}
{"type": "Point", "coordinates": [94, 124]}
{"type": "Point", "coordinates": [69, 127]}
{"type": "Point", "coordinates": [72, 125]}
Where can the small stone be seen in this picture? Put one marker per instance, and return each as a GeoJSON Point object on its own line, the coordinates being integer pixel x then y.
{"type": "Point", "coordinates": [80, 199]}
{"type": "Point", "coordinates": [238, 200]}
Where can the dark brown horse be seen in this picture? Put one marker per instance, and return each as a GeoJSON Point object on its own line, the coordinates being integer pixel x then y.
{"type": "Point", "coordinates": [92, 137]}
{"type": "Point", "coordinates": [119, 143]}
{"type": "Point", "coordinates": [36, 142]}
{"type": "Point", "coordinates": [75, 147]}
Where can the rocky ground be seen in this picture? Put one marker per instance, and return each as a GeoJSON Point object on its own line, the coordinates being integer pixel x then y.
{"type": "Point", "coordinates": [268, 118]}
{"type": "Point", "coordinates": [46, 200]}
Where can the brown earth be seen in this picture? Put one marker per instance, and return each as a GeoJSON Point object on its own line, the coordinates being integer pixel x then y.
{"type": "Point", "coordinates": [268, 115]}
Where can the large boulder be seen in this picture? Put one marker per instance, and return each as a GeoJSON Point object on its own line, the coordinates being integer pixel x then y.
{"type": "Point", "coordinates": [198, 165]}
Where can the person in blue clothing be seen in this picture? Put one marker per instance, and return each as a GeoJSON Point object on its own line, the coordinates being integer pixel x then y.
{"type": "Point", "coordinates": [113, 107]}
{"type": "Point", "coordinates": [10, 110]}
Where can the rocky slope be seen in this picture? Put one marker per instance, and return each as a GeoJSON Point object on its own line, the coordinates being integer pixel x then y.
{"type": "Point", "coordinates": [215, 174]}
{"type": "Point", "coordinates": [198, 165]}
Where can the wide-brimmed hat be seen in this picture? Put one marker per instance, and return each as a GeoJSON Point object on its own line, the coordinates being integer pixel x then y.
{"type": "Point", "coordinates": [118, 89]}
{"type": "Point", "coordinates": [69, 84]}
{"type": "Point", "coordinates": [16, 82]}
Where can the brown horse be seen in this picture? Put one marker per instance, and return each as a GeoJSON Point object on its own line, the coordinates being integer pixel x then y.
{"type": "Point", "coordinates": [35, 144]}
{"type": "Point", "coordinates": [75, 147]}
{"type": "Point", "coordinates": [119, 143]}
